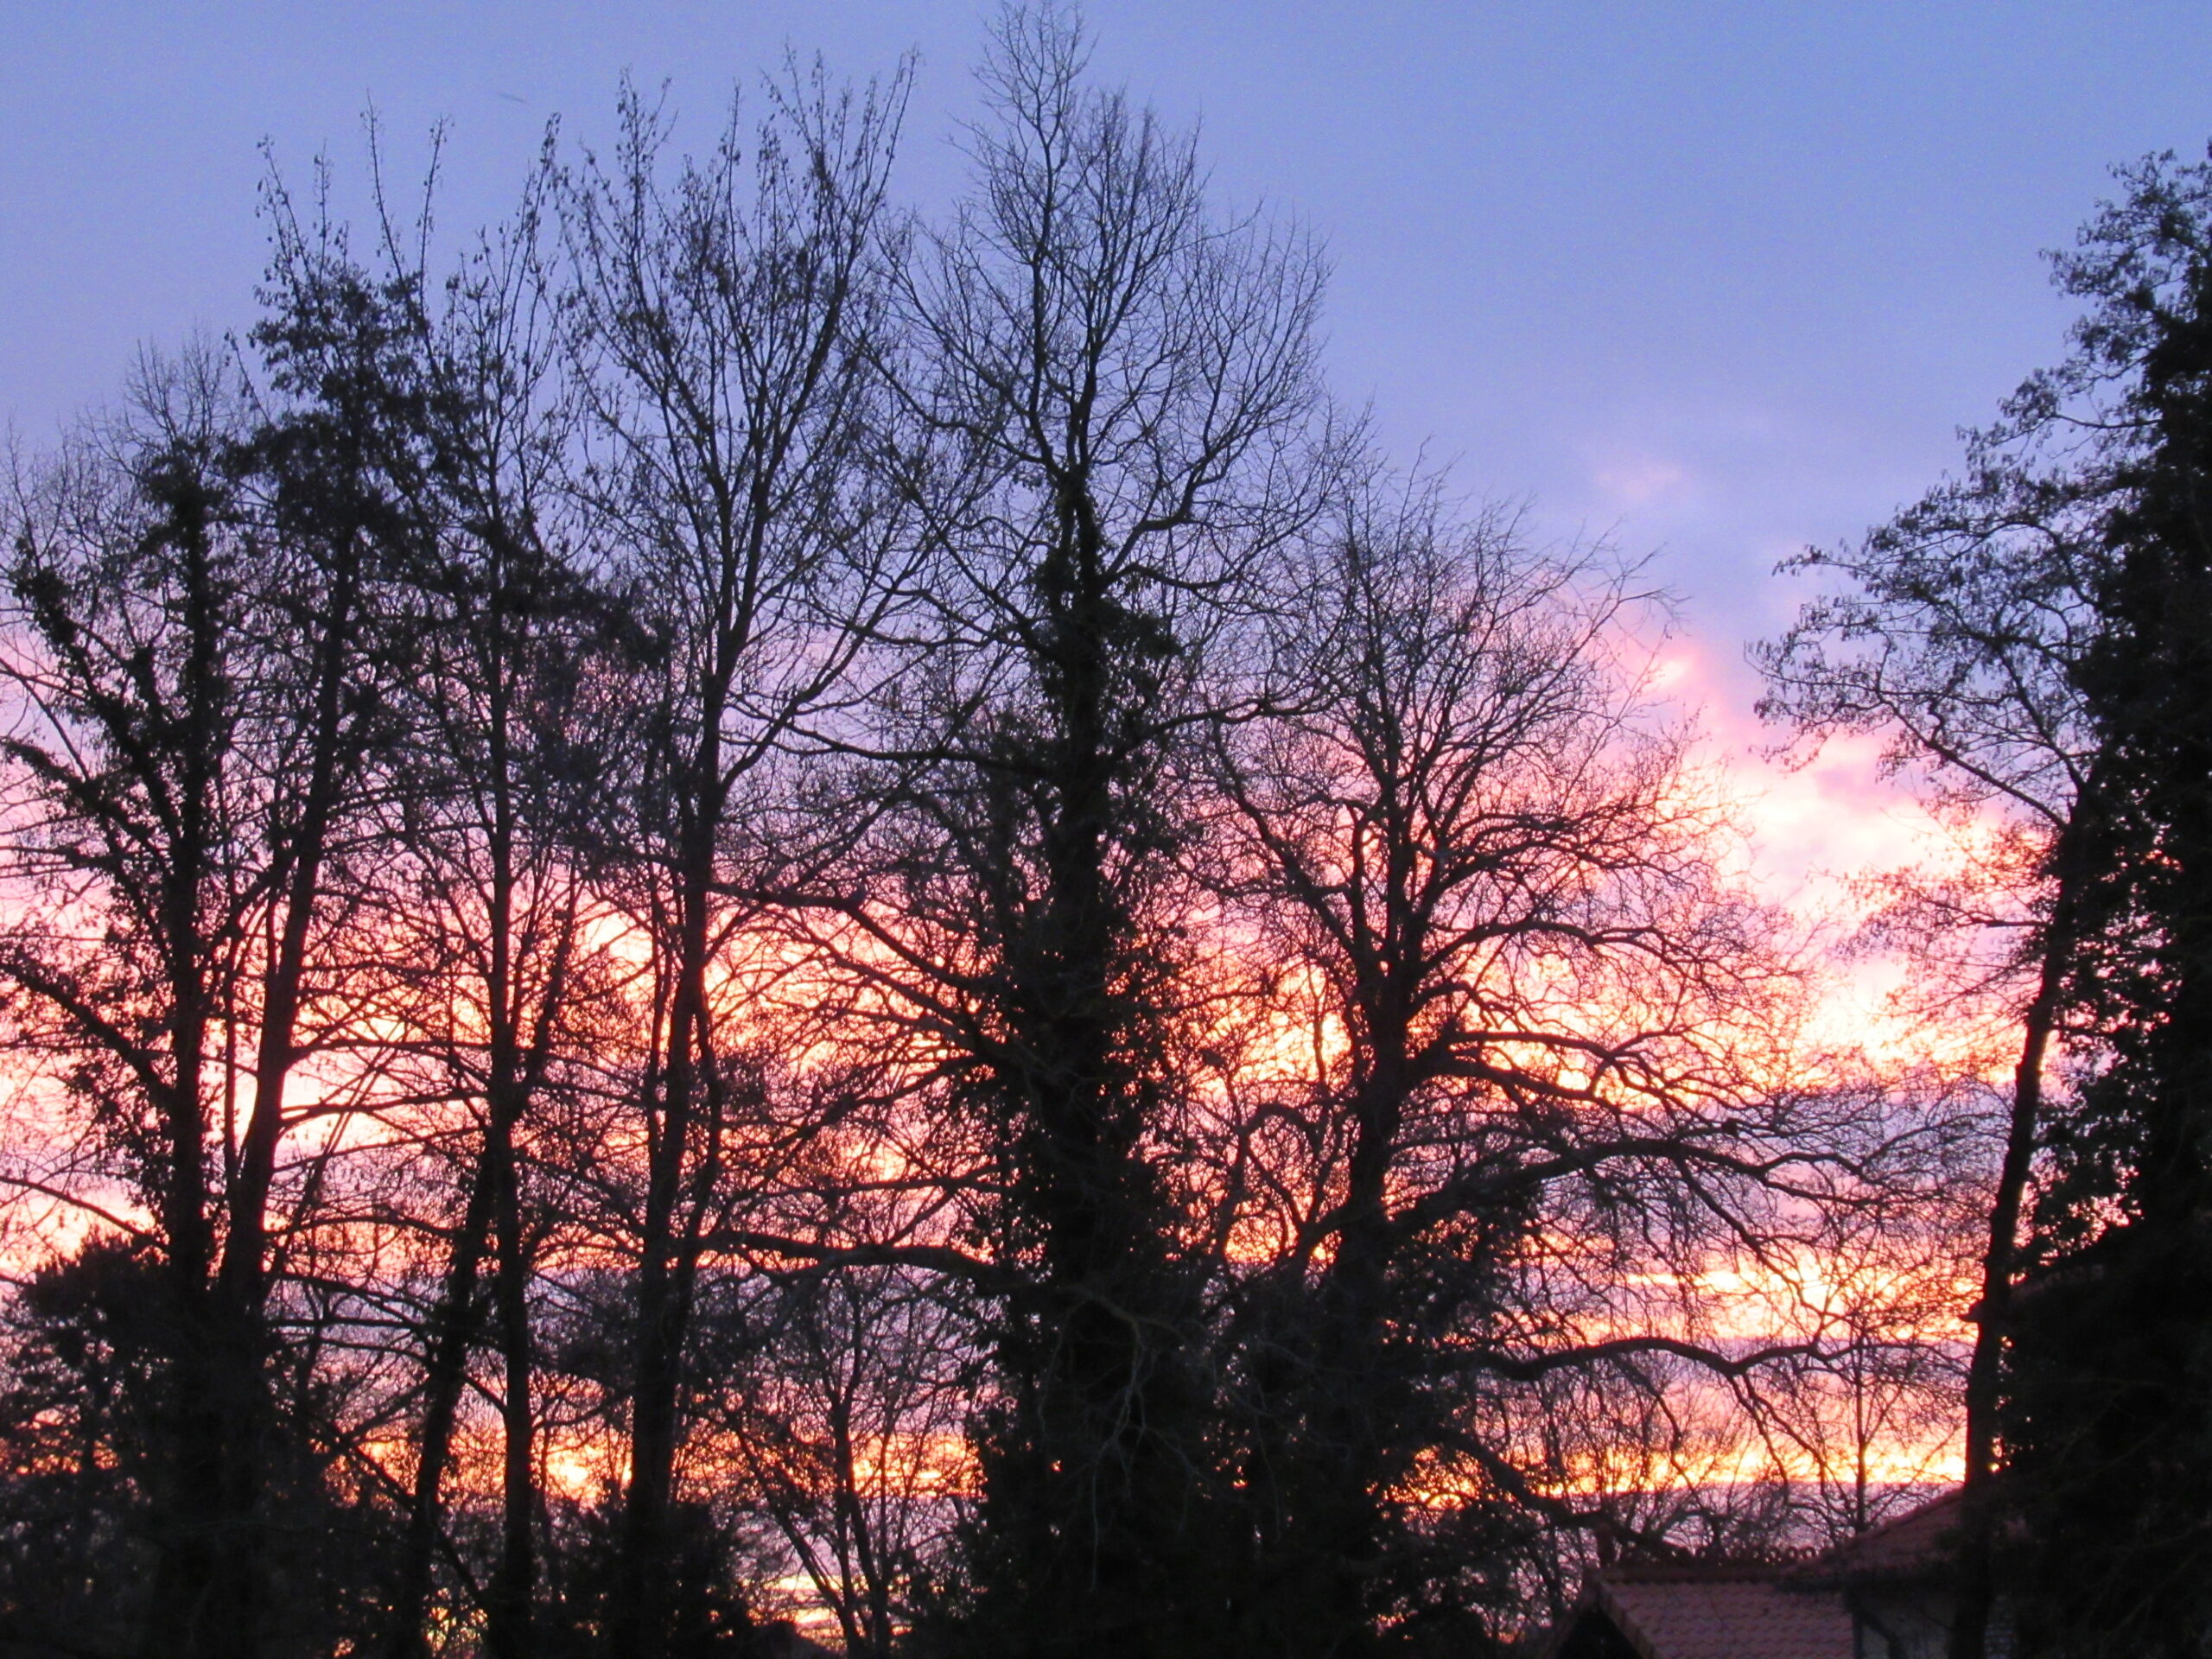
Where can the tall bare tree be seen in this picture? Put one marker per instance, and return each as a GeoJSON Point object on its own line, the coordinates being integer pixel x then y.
{"type": "Point", "coordinates": [508, 739]}
{"type": "Point", "coordinates": [1124, 426]}
{"type": "Point", "coordinates": [728, 334]}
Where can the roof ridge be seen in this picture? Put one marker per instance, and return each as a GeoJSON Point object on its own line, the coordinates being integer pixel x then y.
{"type": "Point", "coordinates": [1740, 1569]}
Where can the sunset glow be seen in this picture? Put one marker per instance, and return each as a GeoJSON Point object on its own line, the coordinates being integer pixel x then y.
{"type": "Point", "coordinates": [878, 856]}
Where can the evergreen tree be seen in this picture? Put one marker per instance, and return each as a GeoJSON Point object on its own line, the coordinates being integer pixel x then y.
{"type": "Point", "coordinates": [2032, 637]}
{"type": "Point", "coordinates": [2108, 1405]}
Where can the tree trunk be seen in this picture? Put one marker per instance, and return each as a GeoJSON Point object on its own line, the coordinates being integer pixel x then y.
{"type": "Point", "coordinates": [667, 1267]}
{"type": "Point", "coordinates": [510, 1632]}
{"type": "Point", "coordinates": [453, 1329]}
{"type": "Point", "coordinates": [1976, 1581]}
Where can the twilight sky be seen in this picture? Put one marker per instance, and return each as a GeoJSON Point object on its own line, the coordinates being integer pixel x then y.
{"type": "Point", "coordinates": [1716, 279]}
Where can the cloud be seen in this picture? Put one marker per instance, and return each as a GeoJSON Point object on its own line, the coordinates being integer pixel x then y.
{"type": "Point", "coordinates": [1642, 481]}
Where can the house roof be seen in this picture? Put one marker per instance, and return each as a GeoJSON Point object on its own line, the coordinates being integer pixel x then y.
{"type": "Point", "coordinates": [1682, 1616]}
{"type": "Point", "coordinates": [1753, 1610]}
{"type": "Point", "coordinates": [1917, 1544]}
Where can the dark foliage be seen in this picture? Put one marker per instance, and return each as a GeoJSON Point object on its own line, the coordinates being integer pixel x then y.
{"type": "Point", "coordinates": [2108, 1417]}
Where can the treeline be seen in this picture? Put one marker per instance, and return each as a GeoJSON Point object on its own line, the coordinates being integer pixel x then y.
{"type": "Point", "coordinates": [755, 901]}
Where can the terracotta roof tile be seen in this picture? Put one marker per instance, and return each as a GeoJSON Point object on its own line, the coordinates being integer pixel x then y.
{"type": "Point", "coordinates": [1786, 1609]}
{"type": "Point", "coordinates": [1725, 1619]}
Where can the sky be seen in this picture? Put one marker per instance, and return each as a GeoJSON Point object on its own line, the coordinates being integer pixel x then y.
{"type": "Point", "coordinates": [1714, 281]}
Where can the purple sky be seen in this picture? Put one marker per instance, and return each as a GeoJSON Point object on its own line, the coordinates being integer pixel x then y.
{"type": "Point", "coordinates": [1718, 279]}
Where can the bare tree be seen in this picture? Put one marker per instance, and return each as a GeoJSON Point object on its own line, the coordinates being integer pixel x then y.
{"type": "Point", "coordinates": [1537, 1022]}
{"type": "Point", "coordinates": [1859, 1430]}
{"type": "Point", "coordinates": [727, 350]}
{"type": "Point", "coordinates": [1118, 393]}
{"type": "Point", "coordinates": [202, 682]}
{"type": "Point", "coordinates": [126, 584]}
{"type": "Point", "coordinates": [1955, 631]}
{"type": "Point", "coordinates": [843, 1398]}
{"type": "Point", "coordinates": [509, 739]}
